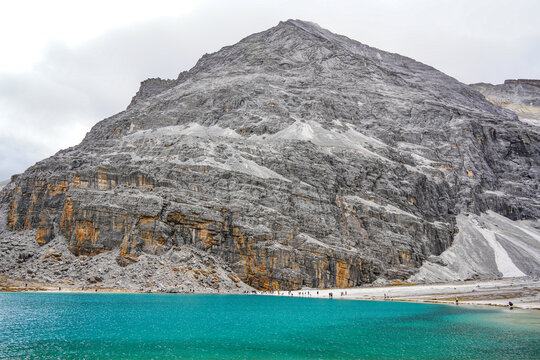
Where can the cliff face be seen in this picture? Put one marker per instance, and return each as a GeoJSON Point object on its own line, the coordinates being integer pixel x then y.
{"type": "Point", "coordinates": [521, 96]}
{"type": "Point", "coordinates": [296, 157]}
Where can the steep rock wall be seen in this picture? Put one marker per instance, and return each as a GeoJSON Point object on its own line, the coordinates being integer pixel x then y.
{"type": "Point", "coordinates": [297, 157]}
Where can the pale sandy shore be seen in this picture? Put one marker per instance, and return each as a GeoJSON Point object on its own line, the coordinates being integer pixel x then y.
{"type": "Point", "coordinates": [524, 293]}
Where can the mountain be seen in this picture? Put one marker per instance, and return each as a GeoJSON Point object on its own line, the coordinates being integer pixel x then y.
{"type": "Point", "coordinates": [521, 96]}
{"type": "Point", "coordinates": [294, 158]}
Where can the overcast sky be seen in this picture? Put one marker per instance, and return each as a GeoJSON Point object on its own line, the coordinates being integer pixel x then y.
{"type": "Point", "coordinates": [66, 65]}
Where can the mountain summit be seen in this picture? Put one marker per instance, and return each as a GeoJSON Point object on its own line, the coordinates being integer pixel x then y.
{"type": "Point", "coordinates": [294, 158]}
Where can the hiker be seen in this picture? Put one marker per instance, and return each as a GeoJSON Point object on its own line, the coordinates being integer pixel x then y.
{"type": "Point", "coordinates": [510, 305]}
{"type": "Point", "coordinates": [457, 301]}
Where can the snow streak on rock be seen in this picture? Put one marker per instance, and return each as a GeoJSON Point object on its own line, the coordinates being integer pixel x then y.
{"type": "Point", "coordinates": [487, 245]}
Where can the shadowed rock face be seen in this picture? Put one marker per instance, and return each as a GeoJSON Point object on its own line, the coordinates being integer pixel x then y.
{"type": "Point", "coordinates": [297, 156]}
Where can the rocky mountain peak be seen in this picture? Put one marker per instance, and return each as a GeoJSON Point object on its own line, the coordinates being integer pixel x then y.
{"type": "Point", "coordinates": [295, 157]}
{"type": "Point", "coordinates": [151, 87]}
{"type": "Point", "coordinates": [292, 62]}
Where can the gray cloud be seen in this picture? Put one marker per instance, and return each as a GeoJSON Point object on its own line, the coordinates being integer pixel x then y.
{"type": "Point", "coordinates": [71, 88]}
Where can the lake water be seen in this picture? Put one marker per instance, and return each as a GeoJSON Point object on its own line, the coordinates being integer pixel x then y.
{"type": "Point", "coordinates": [155, 326]}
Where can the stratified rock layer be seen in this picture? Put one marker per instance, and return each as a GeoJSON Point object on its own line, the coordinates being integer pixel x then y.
{"type": "Point", "coordinates": [296, 156]}
{"type": "Point", "coordinates": [521, 96]}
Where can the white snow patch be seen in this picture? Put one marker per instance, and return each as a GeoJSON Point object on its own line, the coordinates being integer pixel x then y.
{"type": "Point", "coordinates": [314, 132]}
{"type": "Point", "coordinates": [237, 164]}
{"type": "Point", "coordinates": [191, 129]}
{"type": "Point", "coordinates": [198, 130]}
{"type": "Point", "coordinates": [498, 193]}
{"type": "Point", "coordinates": [387, 208]}
{"type": "Point", "coordinates": [533, 122]}
{"type": "Point", "coordinates": [532, 234]}
{"type": "Point", "coordinates": [311, 240]}
{"type": "Point", "coordinates": [487, 245]}
{"type": "Point", "coordinates": [421, 160]}
{"type": "Point", "coordinates": [505, 265]}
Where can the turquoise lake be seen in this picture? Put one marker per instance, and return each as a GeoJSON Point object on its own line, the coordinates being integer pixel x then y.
{"type": "Point", "coordinates": [156, 326]}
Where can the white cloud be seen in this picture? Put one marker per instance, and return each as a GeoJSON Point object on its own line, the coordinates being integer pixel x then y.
{"type": "Point", "coordinates": [26, 27]}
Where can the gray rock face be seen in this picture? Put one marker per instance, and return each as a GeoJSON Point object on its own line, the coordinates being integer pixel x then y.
{"type": "Point", "coordinates": [297, 157]}
{"type": "Point", "coordinates": [521, 96]}
{"type": "Point", "coordinates": [179, 269]}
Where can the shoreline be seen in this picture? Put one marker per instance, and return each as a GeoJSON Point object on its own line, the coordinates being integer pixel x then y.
{"type": "Point", "coordinates": [10, 285]}
{"type": "Point", "coordinates": [524, 293]}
